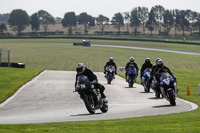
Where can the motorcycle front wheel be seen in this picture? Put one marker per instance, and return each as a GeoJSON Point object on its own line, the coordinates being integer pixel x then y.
{"type": "Point", "coordinates": [109, 78]}
{"type": "Point", "coordinates": [89, 103]}
{"type": "Point", "coordinates": [171, 97]}
{"type": "Point", "coordinates": [131, 81]}
{"type": "Point", "coordinates": [147, 86]}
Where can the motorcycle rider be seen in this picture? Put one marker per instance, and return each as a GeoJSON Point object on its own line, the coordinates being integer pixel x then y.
{"type": "Point", "coordinates": [147, 64]}
{"type": "Point", "coordinates": [82, 70]}
{"type": "Point", "coordinates": [110, 63]}
{"type": "Point", "coordinates": [132, 61]}
{"type": "Point", "coordinates": [159, 68]}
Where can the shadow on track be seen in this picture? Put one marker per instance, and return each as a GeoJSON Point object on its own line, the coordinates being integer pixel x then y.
{"type": "Point", "coordinates": [86, 114]}
{"type": "Point", "coordinates": [162, 106]}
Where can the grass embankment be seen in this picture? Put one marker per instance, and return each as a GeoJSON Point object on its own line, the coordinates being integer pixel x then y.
{"type": "Point", "coordinates": [12, 79]}
{"type": "Point", "coordinates": [59, 57]}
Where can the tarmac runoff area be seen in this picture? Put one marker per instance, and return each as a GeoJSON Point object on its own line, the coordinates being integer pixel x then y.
{"type": "Point", "coordinates": [49, 97]}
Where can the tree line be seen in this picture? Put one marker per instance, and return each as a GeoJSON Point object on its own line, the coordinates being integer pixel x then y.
{"type": "Point", "coordinates": [158, 18]}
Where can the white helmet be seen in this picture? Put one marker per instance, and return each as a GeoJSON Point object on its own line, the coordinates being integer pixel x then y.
{"type": "Point", "coordinates": [111, 59]}
{"type": "Point", "coordinates": [132, 59]}
{"type": "Point", "coordinates": [80, 68]}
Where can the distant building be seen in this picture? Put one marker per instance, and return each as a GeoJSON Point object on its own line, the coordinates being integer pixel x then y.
{"type": "Point", "coordinates": [58, 20]}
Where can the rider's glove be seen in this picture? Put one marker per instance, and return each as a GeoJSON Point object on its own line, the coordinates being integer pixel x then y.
{"type": "Point", "coordinates": [104, 72]}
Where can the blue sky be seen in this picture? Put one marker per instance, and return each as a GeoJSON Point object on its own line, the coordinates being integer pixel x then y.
{"type": "Point", "coordinates": [108, 8]}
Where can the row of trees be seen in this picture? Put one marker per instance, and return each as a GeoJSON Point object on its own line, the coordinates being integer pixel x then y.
{"type": "Point", "coordinates": [157, 18]}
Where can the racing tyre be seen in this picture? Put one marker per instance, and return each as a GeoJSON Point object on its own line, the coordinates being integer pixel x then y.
{"type": "Point", "coordinates": [89, 103]}
{"type": "Point", "coordinates": [109, 79]}
{"type": "Point", "coordinates": [171, 97]}
{"type": "Point", "coordinates": [104, 108]}
{"type": "Point", "coordinates": [148, 87]}
{"type": "Point", "coordinates": [131, 82]}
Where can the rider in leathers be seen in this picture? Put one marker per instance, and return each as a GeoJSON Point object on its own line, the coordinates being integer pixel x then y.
{"type": "Point", "coordinates": [147, 64]}
{"type": "Point", "coordinates": [132, 61]}
{"type": "Point", "coordinates": [110, 63]}
{"type": "Point", "coordinates": [157, 70]}
{"type": "Point", "coordinates": [82, 70]}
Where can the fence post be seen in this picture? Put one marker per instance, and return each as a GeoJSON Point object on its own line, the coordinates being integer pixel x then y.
{"type": "Point", "coordinates": [9, 57]}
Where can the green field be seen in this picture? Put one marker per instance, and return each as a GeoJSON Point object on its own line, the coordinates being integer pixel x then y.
{"type": "Point", "coordinates": [42, 56]}
{"type": "Point", "coordinates": [109, 42]}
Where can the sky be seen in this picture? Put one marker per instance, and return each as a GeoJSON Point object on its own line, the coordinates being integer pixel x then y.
{"type": "Point", "coordinates": [57, 8]}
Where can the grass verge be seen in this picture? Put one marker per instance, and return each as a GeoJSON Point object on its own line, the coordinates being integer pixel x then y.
{"type": "Point", "coordinates": [13, 78]}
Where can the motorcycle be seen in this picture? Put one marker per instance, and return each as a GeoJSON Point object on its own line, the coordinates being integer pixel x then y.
{"type": "Point", "coordinates": [168, 88]}
{"type": "Point", "coordinates": [131, 75]}
{"type": "Point", "coordinates": [145, 79]}
{"type": "Point", "coordinates": [110, 73]}
{"type": "Point", "coordinates": [90, 95]}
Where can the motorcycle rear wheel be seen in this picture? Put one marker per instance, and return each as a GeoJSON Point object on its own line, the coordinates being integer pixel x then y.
{"type": "Point", "coordinates": [104, 108]}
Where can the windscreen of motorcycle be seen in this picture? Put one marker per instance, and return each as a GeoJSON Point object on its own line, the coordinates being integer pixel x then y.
{"type": "Point", "coordinates": [82, 79]}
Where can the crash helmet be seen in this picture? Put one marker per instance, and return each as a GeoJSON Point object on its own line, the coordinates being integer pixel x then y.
{"type": "Point", "coordinates": [147, 60]}
{"type": "Point", "coordinates": [80, 68]}
{"type": "Point", "coordinates": [159, 63]}
{"type": "Point", "coordinates": [132, 59]}
{"type": "Point", "coordinates": [111, 59]}
{"type": "Point", "coordinates": [157, 59]}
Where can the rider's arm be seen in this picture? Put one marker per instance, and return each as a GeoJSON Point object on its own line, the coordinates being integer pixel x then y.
{"type": "Point", "coordinates": [136, 66]}
{"type": "Point", "coordinates": [152, 72]}
{"type": "Point", "coordinates": [76, 80]}
{"type": "Point", "coordinates": [105, 66]}
{"type": "Point", "coordinates": [169, 71]}
{"type": "Point", "coordinates": [126, 67]}
{"type": "Point", "coordinates": [115, 66]}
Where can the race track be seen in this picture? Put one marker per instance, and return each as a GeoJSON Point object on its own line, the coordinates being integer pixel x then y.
{"type": "Point", "coordinates": [49, 97]}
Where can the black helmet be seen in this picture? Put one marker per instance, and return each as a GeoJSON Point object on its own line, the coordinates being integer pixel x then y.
{"type": "Point", "coordinates": [159, 63]}
{"type": "Point", "coordinates": [147, 60]}
{"type": "Point", "coordinates": [111, 59]}
{"type": "Point", "coordinates": [80, 68]}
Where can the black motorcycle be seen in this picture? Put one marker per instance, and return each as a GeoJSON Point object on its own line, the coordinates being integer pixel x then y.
{"type": "Point", "coordinates": [90, 95]}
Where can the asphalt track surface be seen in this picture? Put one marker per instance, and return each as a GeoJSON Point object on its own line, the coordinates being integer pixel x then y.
{"type": "Point", "coordinates": [49, 97]}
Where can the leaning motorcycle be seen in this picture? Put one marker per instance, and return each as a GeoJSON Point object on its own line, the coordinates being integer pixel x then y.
{"type": "Point", "coordinates": [145, 78]}
{"type": "Point", "coordinates": [110, 73]}
{"type": "Point", "coordinates": [90, 95]}
{"type": "Point", "coordinates": [131, 75]}
{"type": "Point", "coordinates": [168, 88]}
